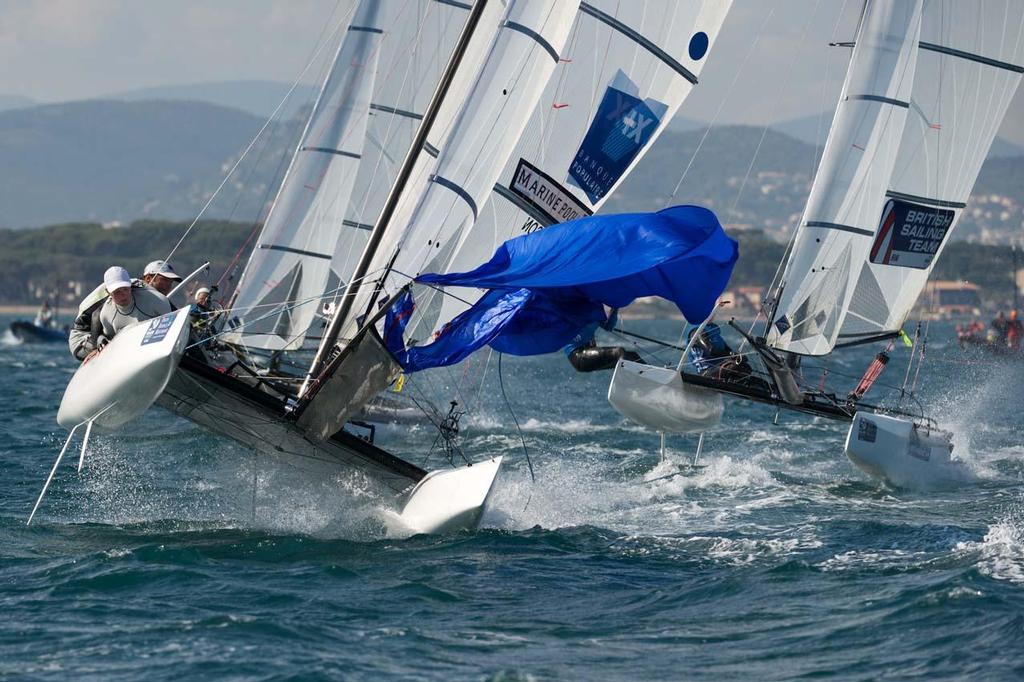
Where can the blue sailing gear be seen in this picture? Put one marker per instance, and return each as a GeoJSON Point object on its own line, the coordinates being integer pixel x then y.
{"type": "Point", "coordinates": [548, 287]}
{"type": "Point", "coordinates": [710, 350]}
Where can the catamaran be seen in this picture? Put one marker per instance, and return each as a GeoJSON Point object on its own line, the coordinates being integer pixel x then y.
{"type": "Point", "coordinates": [927, 87]}
{"type": "Point", "coordinates": [442, 130]}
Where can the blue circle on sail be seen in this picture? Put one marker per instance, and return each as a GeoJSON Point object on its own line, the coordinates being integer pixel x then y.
{"type": "Point", "coordinates": [698, 45]}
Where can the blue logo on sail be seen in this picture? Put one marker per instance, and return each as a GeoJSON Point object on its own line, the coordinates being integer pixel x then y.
{"type": "Point", "coordinates": [622, 127]}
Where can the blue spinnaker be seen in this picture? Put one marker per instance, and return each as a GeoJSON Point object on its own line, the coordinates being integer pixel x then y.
{"type": "Point", "coordinates": [548, 285]}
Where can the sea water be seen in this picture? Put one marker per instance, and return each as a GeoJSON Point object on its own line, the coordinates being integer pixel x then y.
{"type": "Point", "coordinates": [179, 555]}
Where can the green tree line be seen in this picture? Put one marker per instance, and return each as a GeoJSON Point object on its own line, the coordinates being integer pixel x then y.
{"type": "Point", "coordinates": [45, 258]}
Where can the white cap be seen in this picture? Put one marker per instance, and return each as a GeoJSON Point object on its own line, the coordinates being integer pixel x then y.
{"type": "Point", "coordinates": [116, 278]}
{"type": "Point", "coordinates": [202, 290]}
{"type": "Point", "coordinates": [161, 267]}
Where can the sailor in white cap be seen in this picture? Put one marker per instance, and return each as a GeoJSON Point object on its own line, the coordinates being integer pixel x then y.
{"type": "Point", "coordinates": [208, 311]}
{"type": "Point", "coordinates": [86, 332]}
{"type": "Point", "coordinates": [161, 276]}
{"type": "Point", "coordinates": [203, 297]}
{"type": "Point", "coordinates": [129, 303]}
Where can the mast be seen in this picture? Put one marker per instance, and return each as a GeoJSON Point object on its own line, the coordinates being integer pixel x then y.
{"type": "Point", "coordinates": [355, 283]}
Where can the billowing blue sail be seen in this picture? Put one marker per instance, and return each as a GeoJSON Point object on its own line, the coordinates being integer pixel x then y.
{"type": "Point", "coordinates": [547, 286]}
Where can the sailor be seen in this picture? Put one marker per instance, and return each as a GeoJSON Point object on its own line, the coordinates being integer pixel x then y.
{"type": "Point", "coordinates": [84, 337]}
{"type": "Point", "coordinates": [161, 276]}
{"type": "Point", "coordinates": [206, 312]}
{"type": "Point", "coordinates": [1000, 326]}
{"type": "Point", "coordinates": [586, 356]}
{"type": "Point", "coordinates": [1014, 331]}
{"type": "Point", "coordinates": [129, 303]}
{"type": "Point", "coordinates": [711, 356]}
{"type": "Point", "coordinates": [45, 318]}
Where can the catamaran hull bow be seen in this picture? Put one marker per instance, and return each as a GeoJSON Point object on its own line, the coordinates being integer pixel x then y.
{"type": "Point", "coordinates": [657, 398]}
{"type": "Point", "coordinates": [121, 382]}
{"type": "Point", "coordinates": [903, 453]}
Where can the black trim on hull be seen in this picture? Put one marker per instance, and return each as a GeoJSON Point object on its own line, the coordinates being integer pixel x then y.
{"type": "Point", "coordinates": [809, 406]}
{"type": "Point", "coordinates": [275, 409]}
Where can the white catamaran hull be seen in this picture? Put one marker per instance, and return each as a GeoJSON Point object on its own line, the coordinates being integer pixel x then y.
{"type": "Point", "coordinates": [123, 380]}
{"type": "Point", "coordinates": [903, 453]}
{"type": "Point", "coordinates": [657, 398]}
{"type": "Point", "coordinates": [430, 501]}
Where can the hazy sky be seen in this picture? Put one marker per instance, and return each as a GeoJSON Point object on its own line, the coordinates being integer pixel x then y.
{"type": "Point", "coordinates": [771, 63]}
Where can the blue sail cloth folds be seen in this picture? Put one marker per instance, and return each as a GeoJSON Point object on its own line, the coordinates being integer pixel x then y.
{"type": "Point", "coordinates": [548, 285]}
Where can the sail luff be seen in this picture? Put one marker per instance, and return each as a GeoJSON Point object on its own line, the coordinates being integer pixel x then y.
{"type": "Point", "coordinates": [289, 268]}
{"type": "Point", "coordinates": [383, 223]}
{"type": "Point", "coordinates": [839, 221]}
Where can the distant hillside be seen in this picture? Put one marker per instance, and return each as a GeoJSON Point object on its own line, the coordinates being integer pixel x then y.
{"type": "Point", "coordinates": [121, 161]}
{"type": "Point", "coordinates": [76, 254]}
{"type": "Point", "coordinates": [15, 102]}
{"type": "Point", "coordinates": [106, 161]}
{"type": "Point", "coordinates": [259, 98]}
{"type": "Point", "coordinates": [814, 129]}
{"type": "Point", "coordinates": [771, 199]}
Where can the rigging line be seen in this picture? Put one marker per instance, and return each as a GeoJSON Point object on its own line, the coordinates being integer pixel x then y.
{"type": "Point", "coordinates": [775, 106]}
{"type": "Point", "coordinates": [721, 105]}
{"type": "Point", "coordinates": [252, 143]}
{"type": "Point", "coordinates": [501, 383]}
{"type": "Point", "coordinates": [245, 309]}
{"type": "Point", "coordinates": [278, 308]}
{"type": "Point", "coordinates": [824, 92]}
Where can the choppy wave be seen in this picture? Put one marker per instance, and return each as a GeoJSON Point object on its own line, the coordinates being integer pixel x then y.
{"type": "Point", "coordinates": [178, 546]}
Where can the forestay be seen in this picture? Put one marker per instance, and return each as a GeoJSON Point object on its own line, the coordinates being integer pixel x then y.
{"type": "Point", "coordinates": [625, 70]}
{"type": "Point", "coordinates": [890, 191]}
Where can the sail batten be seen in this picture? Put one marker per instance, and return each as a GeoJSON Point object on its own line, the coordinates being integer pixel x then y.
{"type": "Point", "coordinates": [640, 40]}
{"type": "Point", "coordinates": [625, 71]}
{"type": "Point", "coordinates": [300, 235]}
{"type": "Point", "coordinates": [915, 174]}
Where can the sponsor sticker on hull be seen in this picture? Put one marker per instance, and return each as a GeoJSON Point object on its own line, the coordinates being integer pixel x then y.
{"type": "Point", "coordinates": [542, 192]}
{"type": "Point", "coordinates": [158, 329]}
{"type": "Point", "coordinates": [910, 235]}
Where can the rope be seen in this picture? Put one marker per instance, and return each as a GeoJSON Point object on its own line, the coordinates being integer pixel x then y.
{"type": "Point", "coordinates": [522, 439]}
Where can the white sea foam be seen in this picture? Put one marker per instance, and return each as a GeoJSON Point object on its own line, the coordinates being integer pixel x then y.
{"type": "Point", "coordinates": [1000, 554]}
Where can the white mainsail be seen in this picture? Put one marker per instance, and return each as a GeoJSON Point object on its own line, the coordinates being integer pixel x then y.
{"type": "Point", "coordinates": [835, 232]}
{"type": "Point", "coordinates": [436, 211]}
{"type": "Point", "coordinates": [278, 295]}
{"type": "Point", "coordinates": [969, 65]}
{"type": "Point", "coordinates": [623, 75]}
{"type": "Point", "coordinates": [899, 165]}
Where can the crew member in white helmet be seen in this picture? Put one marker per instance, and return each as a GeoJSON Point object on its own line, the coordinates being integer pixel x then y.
{"type": "Point", "coordinates": [129, 303]}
